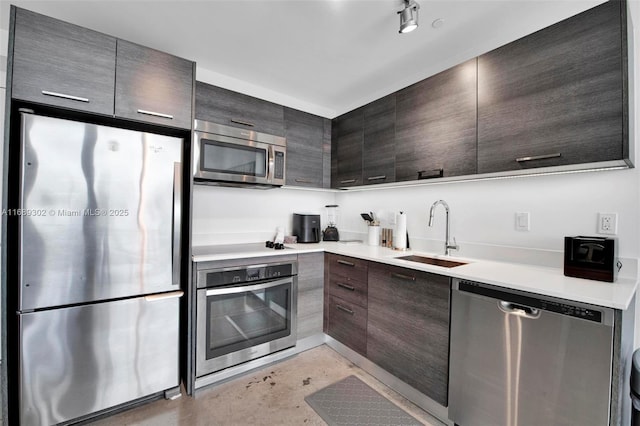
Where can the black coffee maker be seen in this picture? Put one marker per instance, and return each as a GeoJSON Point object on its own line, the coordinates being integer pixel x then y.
{"type": "Point", "coordinates": [331, 232]}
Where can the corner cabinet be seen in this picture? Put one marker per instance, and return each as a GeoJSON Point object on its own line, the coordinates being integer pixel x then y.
{"type": "Point", "coordinates": [408, 327]}
{"type": "Point", "coordinates": [555, 97]}
{"type": "Point", "coordinates": [378, 156]}
{"type": "Point", "coordinates": [307, 153]}
{"type": "Point", "coordinates": [61, 64]}
{"type": "Point", "coordinates": [436, 125]}
{"type": "Point", "coordinates": [64, 65]}
{"type": "Point", "coordinates": [153, 86]}
{"type": "Point", "coordinates": [347, 145]}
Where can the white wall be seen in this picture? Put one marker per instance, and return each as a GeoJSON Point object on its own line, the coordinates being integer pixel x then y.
{"type": "Point", "coordinates": [233, 215]}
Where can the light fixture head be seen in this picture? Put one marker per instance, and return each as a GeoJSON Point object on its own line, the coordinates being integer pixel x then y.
{"type": "Point", "coordinates": [409, 16]}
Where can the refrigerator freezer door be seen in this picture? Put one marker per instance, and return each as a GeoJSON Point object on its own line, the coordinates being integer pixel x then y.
{"type": "Point", "coordinates": [97, 212]}
{"type": "Point", "coordinates": [79, 360]}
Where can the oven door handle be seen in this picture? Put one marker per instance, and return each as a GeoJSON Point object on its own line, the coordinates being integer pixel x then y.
{"type": "Point", "coordinates": [249, 287]}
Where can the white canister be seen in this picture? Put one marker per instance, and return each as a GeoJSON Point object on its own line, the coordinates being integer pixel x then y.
{"type": "Point", "coordinates": [374, 235]}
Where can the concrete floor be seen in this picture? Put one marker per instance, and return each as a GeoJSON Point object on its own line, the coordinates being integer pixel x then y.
{"type": "Point", "coordinates": [271, 396]}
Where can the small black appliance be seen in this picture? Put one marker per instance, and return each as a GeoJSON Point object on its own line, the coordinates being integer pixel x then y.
{"type": "Point", "coordinates": [593, 258]}
{"type": "Point", "coordinates": [331, 231]}
{"type": "Point", "coordinates": [306, 227]}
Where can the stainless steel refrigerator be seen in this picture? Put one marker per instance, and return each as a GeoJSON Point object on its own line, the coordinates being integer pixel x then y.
{"type": "Point", "coordinates": [99, 284]}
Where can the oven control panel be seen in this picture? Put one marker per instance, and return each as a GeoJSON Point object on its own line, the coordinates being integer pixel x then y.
{"type": "Point", "coordinates": [218, 278]}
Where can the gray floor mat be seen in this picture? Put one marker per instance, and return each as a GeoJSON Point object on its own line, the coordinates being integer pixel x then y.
{"type": "Point", "coordinates": [352, 402]}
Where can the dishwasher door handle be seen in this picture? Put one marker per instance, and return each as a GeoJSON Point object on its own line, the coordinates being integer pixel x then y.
{"type": "Point", "coordinates": [519, 310]}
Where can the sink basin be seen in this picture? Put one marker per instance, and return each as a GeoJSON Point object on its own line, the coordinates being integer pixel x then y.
{"type": "Point", "coordinates": [433, 261]}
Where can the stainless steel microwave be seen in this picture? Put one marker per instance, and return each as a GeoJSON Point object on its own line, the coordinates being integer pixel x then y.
{"type": "Point", "coordinates": [230, 156]}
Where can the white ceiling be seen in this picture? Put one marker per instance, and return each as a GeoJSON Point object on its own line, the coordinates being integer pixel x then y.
{"type": "Point", "coordinates": [325, 57]}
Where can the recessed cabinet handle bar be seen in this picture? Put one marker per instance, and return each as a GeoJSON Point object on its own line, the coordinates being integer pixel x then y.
{"type": "Point", "coordinates": [432, 174]}
{"type": "Point", "coordinates": [64, 96]}
{"type": "Point", "coordinates": [346, 286]}
{"type": "Point", "coordinates": [343, 309]}
{"type": "Point", "coordinates": [155, 114]}
{"type": "Point", "coordinates": [381, 177]}
{"type": "Point", "coordinates": [244, 123]}
{"type": "Point", "coordinates": [538, 157]}
{"type": "Point", "coordinates": [403, 277]}
{"type": "Point", "coordinates": [344, 262]}
{"type": "Point", "coordinates": [348, 181]}
{"type": "Point", "coordinates": [302, 180]}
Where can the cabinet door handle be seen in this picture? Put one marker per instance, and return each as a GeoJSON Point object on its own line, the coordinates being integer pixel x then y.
{"type": "Point", "coordinates": [344, 262]}
{"type": "Point", "coordinates": [244, 123]}
{"type": "Point", "coordinates": [65, 96]}
{"type": "Point", "coordinates": [432, 174]}
{"type": "Point", "coordinates": [303, 180]}
{"type": "Point", "coordinates": [343, 309]}
{"type": "Point", "coordinates": [347, 286]}
{"type": "Point", "coordinates": [155, 114]}
{"type": "Point", "coordinates": [348, 181]}
{"type": "Point", "coordinates": [403, 277]}
{"type": "Point", "coordinates": [539, 157]}
{"type": "Point", "coordinates": [381, 177]}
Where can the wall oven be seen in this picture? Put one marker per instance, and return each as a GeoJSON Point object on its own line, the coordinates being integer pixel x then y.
{"type": "Point", "coordinates": [244, 313]}
{"type": "Point", "coordinates": [230, 156]}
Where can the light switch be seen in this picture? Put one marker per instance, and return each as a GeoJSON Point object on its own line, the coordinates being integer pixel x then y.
{"type": "Point", "coordinates": [522, 221]}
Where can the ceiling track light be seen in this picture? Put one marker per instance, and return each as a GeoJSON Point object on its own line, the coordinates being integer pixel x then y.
{"type": "Point", "coordinates": [409, 16]}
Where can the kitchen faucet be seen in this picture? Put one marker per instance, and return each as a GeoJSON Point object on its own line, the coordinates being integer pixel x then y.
{"type": "Point", "coordinates": [447, 244]}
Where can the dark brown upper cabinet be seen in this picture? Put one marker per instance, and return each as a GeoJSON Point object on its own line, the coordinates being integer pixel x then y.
{"type": "Point", "coordinates": [378, 154]}
{"type": "Point", "coordinates": [436, 125]}
{"type": "Point", "coordinates": [305, 134]}
{"type": "Point", "coordinates": [61, 64]}
{"type": "Point", "coordinates": [235, 109]}
{"type": "Point", "coordinates": [153, 86]}
{"type": "Point", "coordinates": [556, 97]}
{"type": "Point", "coordinates": [347, 144]}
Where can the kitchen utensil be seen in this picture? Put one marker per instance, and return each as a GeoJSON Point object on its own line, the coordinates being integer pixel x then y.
{"type": "Point", "coordinates": [367, 217]}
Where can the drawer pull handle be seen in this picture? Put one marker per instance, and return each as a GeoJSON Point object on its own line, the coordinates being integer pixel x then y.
{"type": "Point", "coordinates": [432, 174]}
{"type": "Point", "coordinates": [303, 180]}
{"type": "Point", "coordinates": [343, 309]}
{"type": "Point", "coordinates": [381, 177]}
{"type": "Point", "coordinates": [347, 286]}
{"type": "Point", "coordinates": [344, 262]}
{"type": "Point", "coordinates": [241, 122]}
{"type": "Point", "coordinates": [155, 114]}
{"type": "Point", "coordinates": [538, 157]}
{"type": "Point", "coordinates": [64, 96]}
{"type": "Point", "coordinates": [403, 277]}
{"type": "Point", "coordinates": [348, 181]}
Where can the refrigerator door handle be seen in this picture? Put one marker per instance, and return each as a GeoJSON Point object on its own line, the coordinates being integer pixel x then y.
{"type": "Point", "coordinates": [177, 220]}
{"type": "Point", "coordinates": [163, 296]}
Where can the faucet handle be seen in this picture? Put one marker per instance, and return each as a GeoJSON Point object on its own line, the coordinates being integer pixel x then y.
{"type": "Point", "coordinates": [454, 246]}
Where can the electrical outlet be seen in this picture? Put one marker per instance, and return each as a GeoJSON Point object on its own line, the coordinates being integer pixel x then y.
{"type": "Point", "coordinates": [608, 223]}
{"type": "Point", "coordinates": [522, 221]}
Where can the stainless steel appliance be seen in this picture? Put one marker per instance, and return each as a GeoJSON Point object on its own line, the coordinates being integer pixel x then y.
{"type": "Point", "coordinates": [99, 269]}
{"type": "Point", "coordinates": [229, 156]}
{"type": "Point", "coordinates": [520, 359]}
{"type": "Point", "coordinates": [243, 313]}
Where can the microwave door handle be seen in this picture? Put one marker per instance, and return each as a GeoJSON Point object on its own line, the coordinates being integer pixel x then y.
{"type": "Point", "coordinates": [271, 161]}
{"type": "Point", "coordinates": [177, 221]}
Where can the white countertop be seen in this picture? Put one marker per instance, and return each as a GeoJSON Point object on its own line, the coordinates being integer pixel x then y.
{"type": "Point", "coordinates": [534, 279]}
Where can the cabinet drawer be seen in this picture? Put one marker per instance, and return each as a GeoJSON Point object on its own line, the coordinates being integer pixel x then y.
{"type": "Point", "coordinates": [348, 324]}
{"type": "Point", "coordinates": [349, 267]}
{"type": "Point", "coordinates": [349, 290]}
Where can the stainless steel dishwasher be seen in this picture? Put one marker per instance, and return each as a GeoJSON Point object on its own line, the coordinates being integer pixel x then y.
{"type": "Point", "coordinates": [518, 359]}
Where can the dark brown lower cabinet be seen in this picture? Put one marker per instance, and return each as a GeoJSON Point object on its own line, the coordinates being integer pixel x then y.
{"type": "Point", "coordinates": [348, 324]}
{"type": "Point", "coordinates": [408, 327]}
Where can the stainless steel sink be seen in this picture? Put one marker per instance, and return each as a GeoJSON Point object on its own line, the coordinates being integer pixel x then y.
{"type": "Point", "coordinates": [433, 261]}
